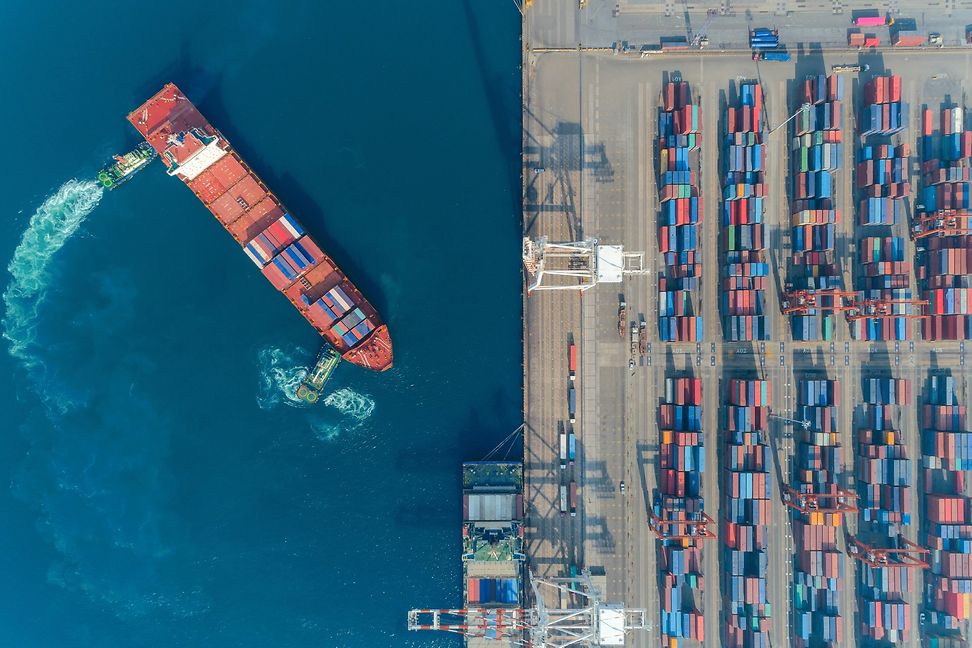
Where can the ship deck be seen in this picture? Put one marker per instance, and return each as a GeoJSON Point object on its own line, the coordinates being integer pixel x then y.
{"type": "Point", "coordinates": [192, 149]}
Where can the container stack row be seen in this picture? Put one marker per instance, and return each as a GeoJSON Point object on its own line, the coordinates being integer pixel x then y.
{"type": "Point", "coordinates": [883, 112]}
{"type": "Point", "coordinates": [945, 267]}
{"type": "Point", "coordinates": [946, 455]}
{"type": "Point", "coordinates": [882, 179]}
{"type": "Point", "coordinates": [883, 283]}
{"type": "Point", "coordinates": [743, 235]}
{"type": "Point", "coordinates": [884, 478]}
{"type": "Point", "coordinates": [678, 503]}
{"type": "Point", "coordinates": [818, 572]}
{"type": "Point", "coordinates": [679, 293]}
{"type": "Point", "coordinates": [814, 215]}
{"type": "Point", "coordinates": [882, 276]}
{"type": "Point", "coordinates": [746, 506]}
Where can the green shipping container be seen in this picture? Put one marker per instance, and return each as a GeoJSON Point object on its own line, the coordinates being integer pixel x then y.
{"type": "Point", "coordinates": [828, 328]}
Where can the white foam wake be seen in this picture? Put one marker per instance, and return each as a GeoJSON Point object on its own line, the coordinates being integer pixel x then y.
{"type": "Point", "coordinates": [280, 375]}
{"type": "Point", "coordinates": [350, 403]}
{"type": "Point", "coordinates": [354, 408]}
{"type": "Point", "coordinates": [54, 222]}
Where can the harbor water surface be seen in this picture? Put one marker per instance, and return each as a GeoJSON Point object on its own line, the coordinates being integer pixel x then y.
{"type": "Point", "coordinates": [159, 485]}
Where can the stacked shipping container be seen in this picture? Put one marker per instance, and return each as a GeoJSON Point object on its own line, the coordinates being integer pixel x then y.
{"type": "Point", "coordinates": [883, 112]}
{"type": "Point", "coordinates": [884, 477]}
{"type": "Point", "coordinates": [946, 271]}
{"type": "Point", "coordinates": [818, 564]}
{"type": "Point", "coordinates": [679, 500]}
{"type": "Point", "coordinates": [742, 294]}
{"type": "Point", "coordinates": [882, 178]}
{"type": "Point", "coordinates": [946, 456]}
{"type": "Point", "coordinates": [883, 276]}
{"type": "Point", "coordinates": [679, 290]}
{"type": "Point", "coordinates": [816, 151]}
{"type": "Point", "coordinates": [746, 514]}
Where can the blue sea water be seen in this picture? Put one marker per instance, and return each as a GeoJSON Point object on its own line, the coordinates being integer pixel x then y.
{"type": "Point", "coordinates": [158, 486]}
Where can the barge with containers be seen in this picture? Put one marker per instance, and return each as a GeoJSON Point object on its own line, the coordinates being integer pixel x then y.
{"type": "Point", "coordinates": [198, 154]}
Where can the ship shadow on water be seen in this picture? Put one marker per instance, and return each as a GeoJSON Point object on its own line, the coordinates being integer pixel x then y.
{"type": "Point", "coordinates": [503, 99]}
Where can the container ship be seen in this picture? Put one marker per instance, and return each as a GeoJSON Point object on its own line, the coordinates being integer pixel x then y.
{"type": "Point", "coordinates": [198, 154]}
{"type": "Point", "coordinates": [493, 560]}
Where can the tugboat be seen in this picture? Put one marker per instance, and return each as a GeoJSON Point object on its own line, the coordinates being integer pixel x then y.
{"type": "Point", "coordinates": [123, 167]}
{"type": "Point", "coordinates": [310, 388]}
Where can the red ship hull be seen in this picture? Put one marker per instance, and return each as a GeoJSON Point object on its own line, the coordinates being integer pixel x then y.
{"type": "Point", "coordinates": [198, 154]}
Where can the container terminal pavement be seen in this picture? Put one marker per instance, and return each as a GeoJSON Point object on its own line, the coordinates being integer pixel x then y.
{"type": "Point", "coordinates": [767, 406]}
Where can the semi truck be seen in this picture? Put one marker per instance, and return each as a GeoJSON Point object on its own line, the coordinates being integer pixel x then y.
{"type": "Point", "coordinates": [563, 500]}
{"type": "Point", "coordinates": [573, 498]}
{"type": "Point", "coordinates": [763, 38]}
{"type": "Point", "coordinates": [572, 361]}
{"type": "Point", "coordinates": [843, 68]}
{"type": "Point", "coordinates": [563, 450]}
{"type": "Point", "coordinates": [572, 403]}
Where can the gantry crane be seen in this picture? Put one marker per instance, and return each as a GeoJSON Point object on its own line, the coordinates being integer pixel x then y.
{"type": "Point", "coordinates": [505, 624]}
{"type": "Point", "coordinates": [589, 622]}
{"type": "Point", "coordinates": [839, 500]}
{"type": "Point", "coordinates": [670, 529]}
{"type": "Point", "coordinates": [701, 38]}
{"type": "Point", "coordinates": [942, 223]}
{"type": "Point", "coordinates": [804, 301]}
{"type": "Point", "coordinates": [879, 308]}
{"type": "Point", "coordinates": [907, 554]}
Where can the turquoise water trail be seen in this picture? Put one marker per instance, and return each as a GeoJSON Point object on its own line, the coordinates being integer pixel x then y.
{"type": "Point", "coordinates": [57, 219]}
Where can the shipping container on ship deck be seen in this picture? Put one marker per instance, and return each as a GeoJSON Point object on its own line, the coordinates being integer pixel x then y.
{"type": "Point", "coordinates": [816, 150]}
{"type": "Point", "coordinates": [274, 240]}
{"type": "Point", "coordinates": [680, 215]}
{"type": "Point", "coordinates": [745, 513]}
{"type": "Point", "coordinates": [679, 499]}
